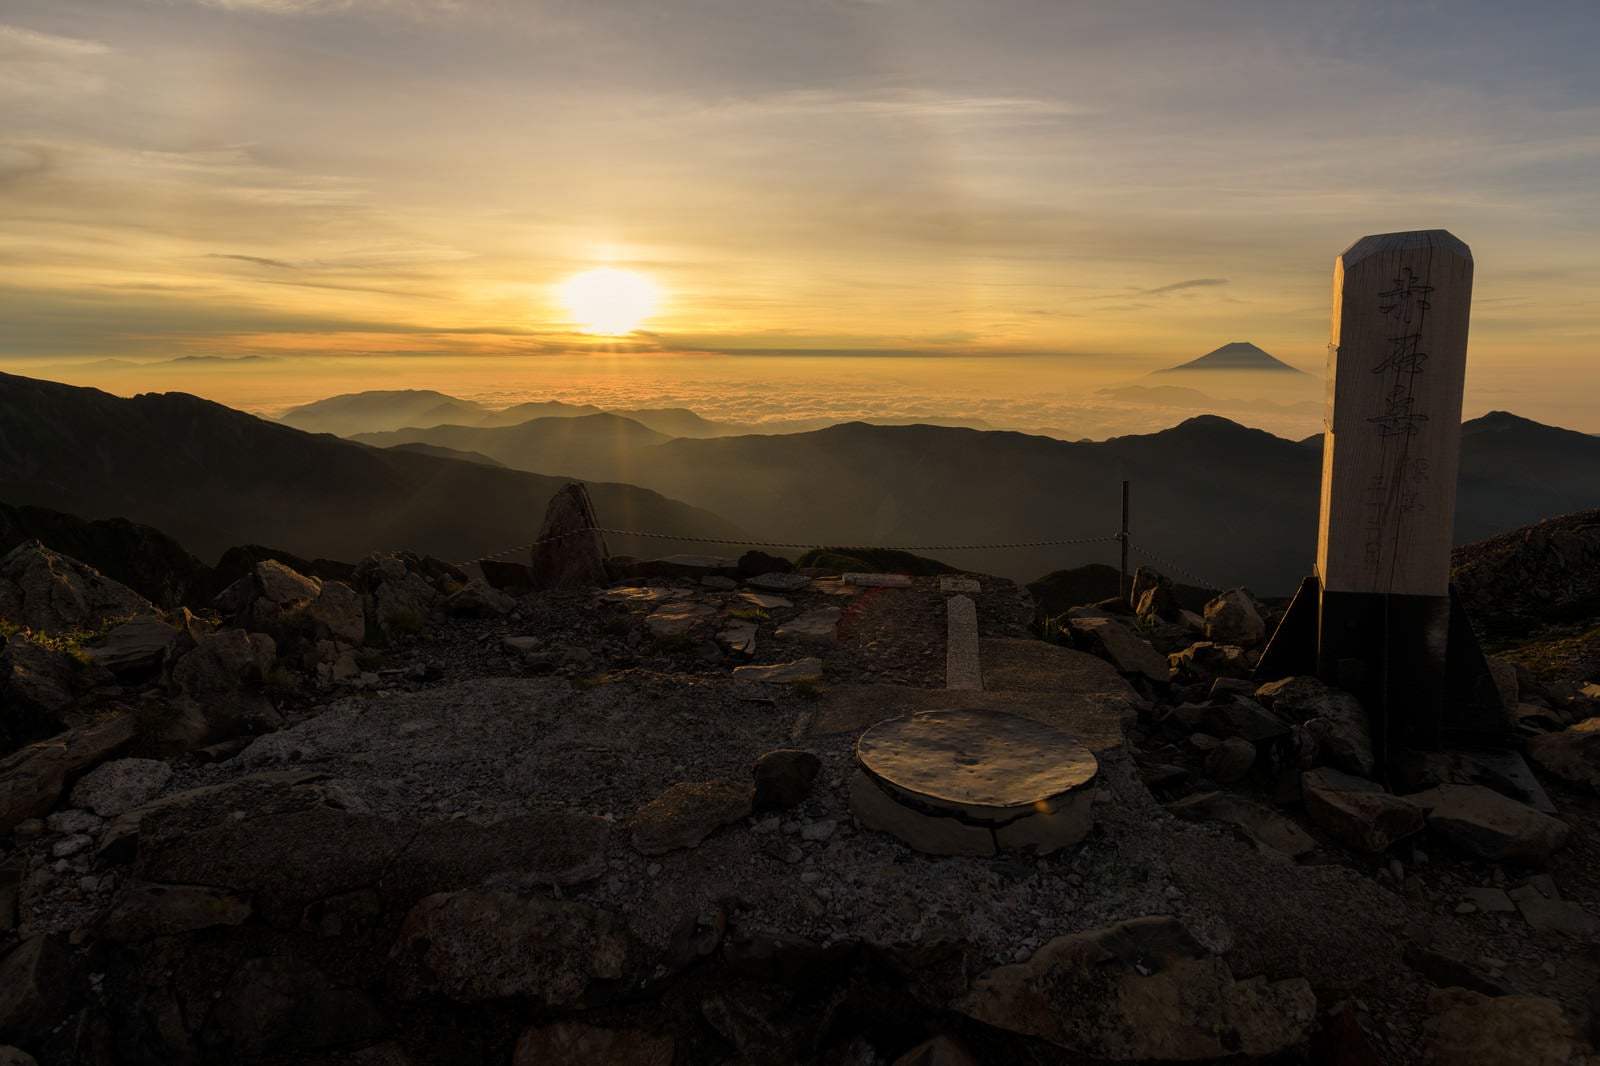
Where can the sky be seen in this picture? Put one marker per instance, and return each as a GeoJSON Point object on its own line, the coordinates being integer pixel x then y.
{"type": "Point", "coordinates": [1060, 194]}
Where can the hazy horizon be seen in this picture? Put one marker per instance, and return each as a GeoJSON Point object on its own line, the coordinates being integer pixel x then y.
{"type": "Point", "coordinates": [950, 198]}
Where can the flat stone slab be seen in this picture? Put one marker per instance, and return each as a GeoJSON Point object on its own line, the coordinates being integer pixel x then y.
{"type": "Point", "coordinates": [821, 625]}
{"type": "Point", "coordinates": [879, 581]}
{"type": "Point", "coordinates": [778, 582]}
{"type": "Point", "coordinates": [676, 619]}
{"type": "Point", "coordinates": [762, 601]}
{"type": "Point", "coordinates": [976, 762]}
{"type": "Point", "coordinates": [641, 597]}
{"type": "Point", "coordinates": [799, 670]}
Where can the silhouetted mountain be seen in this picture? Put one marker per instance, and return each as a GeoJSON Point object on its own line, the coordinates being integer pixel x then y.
{"type": "Point", "coordinates": [602, 446]}
{"type": "Point", "coordinates": [447, 453]}
{"type": "Point", "coordinates": [214, 477]}
{"type": "Point", "coordinates": [1231, 504]}
{"type": "Point", "coordinates": [1238, 355]}
{"type": "Point", "coordinates": [377, 410]}
{"type": "Point", "coordinates": [145, 559]}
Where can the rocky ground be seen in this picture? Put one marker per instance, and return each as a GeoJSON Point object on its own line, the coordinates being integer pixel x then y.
{"type": "Point", "coordinates": [412, 818]}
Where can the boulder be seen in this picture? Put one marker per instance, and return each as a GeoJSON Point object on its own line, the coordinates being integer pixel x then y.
{"type": "Point", "coordinates": [1482, 823]}
{"type": "Point", "coordinates": [277, 1007]}
{"type": "Point", "coordinates": [1517, 1030]}
{"type": "Point", "coordinates": [1117, 644]}
{"type": "Point", "coordinates": [402, 595]}
{"type": "Point", "coordinates": [137, 647]}
{"type": "Point", "coordinates": [1357, 811]}
{"type": "Point", "coordinates": [515, 578]}
{"type": "Point", "coordinates": [1142, 991]}
{"type": "Point", "coordinates": [778, 582]}
{"type": "Point", "coordinates": [52, 593]}
{"type": "Point", "coordinates": [1332, 717]}
{"type": "Point", "coordinates": [1572, 754]}
{"type": "Point", "coordinates": [473, 946]}
{"type": "Point", "coordinates": [36, 981]}
{"type": "Point", "coordinates": [687, 813]}
{"type": "Point", "coordinates": [37, 688]}
{"type": "Point", "coordinates": [31, 779]}
{"type": "Point", "coordinates": [223, 675]}
{"type": "Point", "coordinates": [783, 778]}
{"type": "Point", "coordinates": [143, 910]}
{"type": "Point", "coordinates": [578, 1044]}
{"type": "Point", "coordinates": [338, 614]}
{"type": "Point", "coordinates": [570, 552]}
{"type": "Point", "coordinates": [117, 787]}
{"type": "Point", "coordinates": [1230, 760]}
{"type": "Point", "coordinates": [1205, 661]}
{"type": "Point", "coordinates": [283, 585]}
{"type": "Point", "coordinates": [478, 599]}
{"type": "Point", "coordinates": [1232, 618]}
{"type": "Point", "coordinates": [755, 563]}
{"type": "Point", "coordinates": [1237, 717]}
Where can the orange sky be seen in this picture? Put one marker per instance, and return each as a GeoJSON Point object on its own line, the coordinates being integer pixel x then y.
{"type": "Point", "coordinates": [1119, 186]}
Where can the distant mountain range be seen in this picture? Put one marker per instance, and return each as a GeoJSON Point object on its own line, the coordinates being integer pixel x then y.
{"type": "Point", "coordinates": [1211, 498]}
{"type": "Point", "coordinates": [213, 477]}
{"type": "Point", "coordinates": [357, 413]}
{"type": "Point", "coordinates": [1235, 356]}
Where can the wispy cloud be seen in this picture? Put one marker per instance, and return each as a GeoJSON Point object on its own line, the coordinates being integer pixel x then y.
{"type": "Point", "coordinates": [258, 260]}
{"type": "Point", "coordinates": [1180, 286]}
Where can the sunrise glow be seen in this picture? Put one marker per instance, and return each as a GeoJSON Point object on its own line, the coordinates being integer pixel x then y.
{"type": "Point", "coordinates": [609, 301]}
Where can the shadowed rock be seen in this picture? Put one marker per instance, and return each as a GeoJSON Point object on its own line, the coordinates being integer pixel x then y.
{"type": "Point", "coordinates": [570, 553]}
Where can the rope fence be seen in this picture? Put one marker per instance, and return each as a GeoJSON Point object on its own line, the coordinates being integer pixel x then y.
{"type": "Point", "coordinates": [1113, 538]}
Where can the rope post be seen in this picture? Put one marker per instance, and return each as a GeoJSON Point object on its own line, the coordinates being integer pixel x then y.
{"type": "Point", "coordinates": [1122, 586]}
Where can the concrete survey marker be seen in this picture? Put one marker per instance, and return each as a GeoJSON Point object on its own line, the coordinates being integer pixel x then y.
{"type": "Point", "coordinates": [967, 782]}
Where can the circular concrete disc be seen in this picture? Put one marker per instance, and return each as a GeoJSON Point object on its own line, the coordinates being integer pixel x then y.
{"type": "Point", "coordinates": [975, 758]}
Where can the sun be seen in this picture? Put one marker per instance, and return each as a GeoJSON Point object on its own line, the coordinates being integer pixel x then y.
{"type": "Point", "coordinates": [609, 301]}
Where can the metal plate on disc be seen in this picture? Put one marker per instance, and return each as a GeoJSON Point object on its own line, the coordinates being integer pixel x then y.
{"type": "Point", "coordinates": [975, 758]}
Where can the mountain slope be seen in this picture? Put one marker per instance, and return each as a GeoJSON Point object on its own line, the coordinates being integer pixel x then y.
{"type": "Point", "coordinates": [598, 446]}
{"type": "Point", "coordinates": [213, 477]}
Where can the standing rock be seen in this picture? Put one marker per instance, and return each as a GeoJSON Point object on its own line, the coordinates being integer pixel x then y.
{"type": "Point", "coordinates": [1232, 618]}
{"type": "Point", "coordinates": [571, 553]}
{"type": "Point", "coordinates": [1142, 991]}
{"type": "Point", "coordinates": [1486, 825]}
{"type": "Point", "coordinates": [403, 597]}
{"type": "Point", "coordinates": [1357, 811]}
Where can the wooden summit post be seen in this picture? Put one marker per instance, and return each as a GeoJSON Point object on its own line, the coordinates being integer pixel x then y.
{"type": "Point", "coordinates": [1378, 618]}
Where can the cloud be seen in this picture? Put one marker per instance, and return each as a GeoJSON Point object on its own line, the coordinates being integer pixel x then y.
{"type": "Point", "coordinates": [18, 41]}
{"type": "Point", "coordinates": [258, 260]}
{"type": "Point", "coordinates": [1179, 286]}
{"type": "Point", "coordinates": [320, 7]}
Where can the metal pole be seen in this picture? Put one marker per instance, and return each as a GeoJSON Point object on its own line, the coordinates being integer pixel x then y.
{"type": "Point", "coordinates": [1122, 586]}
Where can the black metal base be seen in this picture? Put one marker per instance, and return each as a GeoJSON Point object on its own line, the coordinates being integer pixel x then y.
{"type": "Point", "coordinates": [1413, 661]}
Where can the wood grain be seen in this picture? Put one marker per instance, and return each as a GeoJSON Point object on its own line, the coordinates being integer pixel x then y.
{"type": "Point", "coordinates": [1396, 368]}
